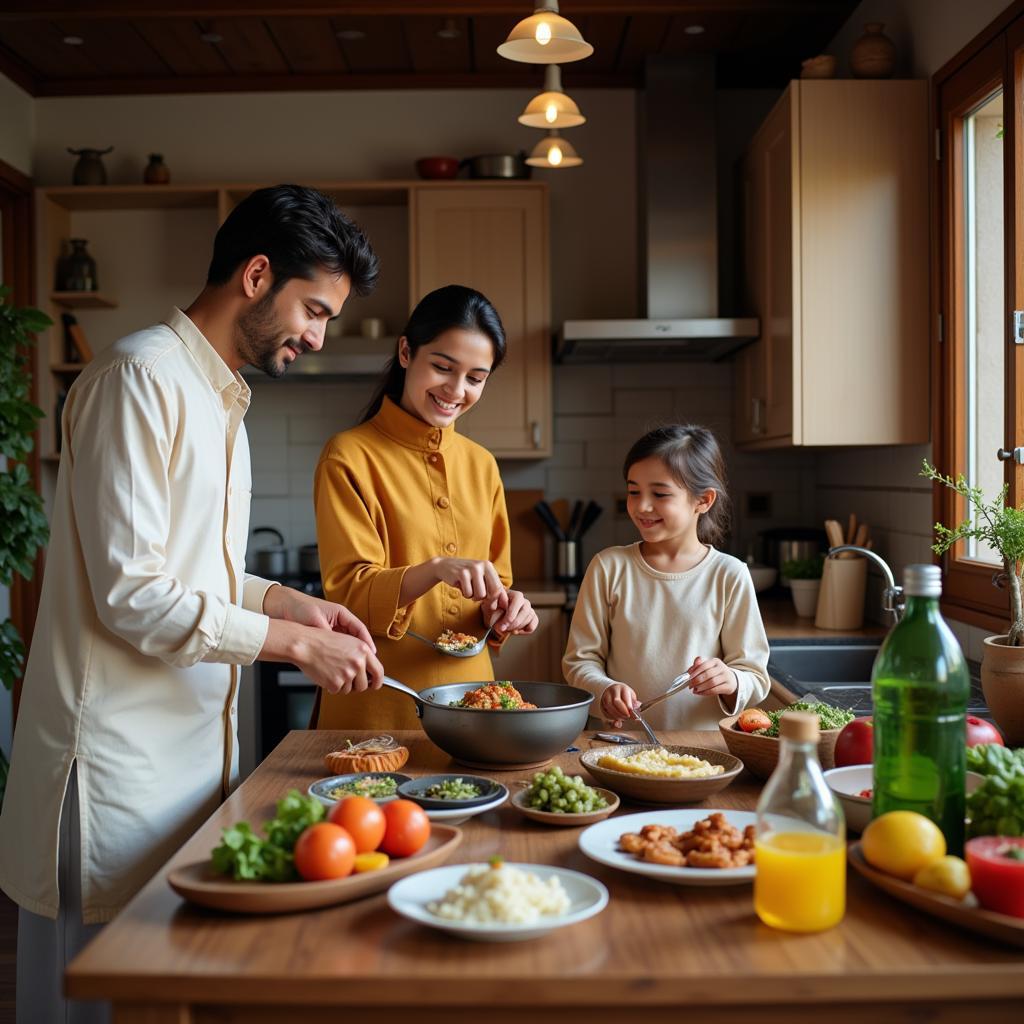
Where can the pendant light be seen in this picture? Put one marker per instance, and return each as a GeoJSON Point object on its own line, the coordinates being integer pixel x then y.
{"type": "Point", "coordinates": [545, 38]}
{"type": "Point", "coordinates": [552, 108]}
{"type": "Point", "coordinates": [554, 152]}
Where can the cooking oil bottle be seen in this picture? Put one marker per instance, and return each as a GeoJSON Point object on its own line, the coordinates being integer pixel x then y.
{"type": "Point", "coordinates": [920, 687]}
{"type": "Point", "coordinates": [800, 852]}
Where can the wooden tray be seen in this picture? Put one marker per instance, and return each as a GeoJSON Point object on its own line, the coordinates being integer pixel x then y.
{"type": "Point", "coordinates": [199, 883]}
{"type": "Point", "coordinates": [966, 913]}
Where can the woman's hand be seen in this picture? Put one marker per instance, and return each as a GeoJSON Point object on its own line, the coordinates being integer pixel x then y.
{"type": "Point", "coordinates": [478, 580]}
{"type": "Point", "coordinates": [509, 613]}
{"type": "Point", "coordinates": [617, 703]}
{"type": "Point", "coordinates": [711, 677]}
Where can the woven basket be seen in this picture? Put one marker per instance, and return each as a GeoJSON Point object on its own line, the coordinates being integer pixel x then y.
{"type": "Point", "coordinates": [760, 754]}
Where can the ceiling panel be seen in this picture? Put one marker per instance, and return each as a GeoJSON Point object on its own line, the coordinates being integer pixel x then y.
{"type": "Point", "coordinates": [604, 33]}
{"type": "Point", "coordinates": [114, 47]}
{"type": "Point", "coordinates": [177, 42]}
{"type": "Point", "coordinates": [309, 45]}
{"type": "Point", "coordinates": [645, 36]}
{"type": "Point", "coordinates": [382, 48]}
{"type": "Point", "coordinates": [40, 45]}
{"type": "Point", "coordinates": [247, 46]}
{"type": "Point", "coordinates": [432, 52]}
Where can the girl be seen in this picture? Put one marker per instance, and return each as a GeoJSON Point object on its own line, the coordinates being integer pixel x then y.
{"type": "Point", "coordinates": [670, 603]}
{"type": "Point", "coordinates": [411, 520]}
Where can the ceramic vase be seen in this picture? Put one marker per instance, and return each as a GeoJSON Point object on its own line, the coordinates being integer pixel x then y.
{"type": "Point", "coordinates": [79, 269]}
{"type": "Point", "coordinates": [157, 172]}
{"type": "Point", "coordinates": [873, 55]}
{"type": "Point", "coordinates": [89, 170]}
{"type": "Point", "coordinates": [1002, 682]}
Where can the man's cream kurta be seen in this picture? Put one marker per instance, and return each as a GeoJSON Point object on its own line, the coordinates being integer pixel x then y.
{"type": "Point", "coordinates": [145, 615]}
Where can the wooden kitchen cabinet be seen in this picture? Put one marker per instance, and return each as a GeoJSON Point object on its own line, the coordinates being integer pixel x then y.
{"type": "Point", "coordinates": [495, 239]}
{"type": "Point", "coordinates": [835, 187]}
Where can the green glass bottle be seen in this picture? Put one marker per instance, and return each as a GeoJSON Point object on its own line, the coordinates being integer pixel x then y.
{"type": "Point", "coordinates": [920, 686]}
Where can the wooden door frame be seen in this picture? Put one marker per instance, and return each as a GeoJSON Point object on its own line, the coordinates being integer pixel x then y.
{"type": "Point", "coordinates": [17, 216]}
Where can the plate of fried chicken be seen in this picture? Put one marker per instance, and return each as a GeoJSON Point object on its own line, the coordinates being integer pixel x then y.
{"type": "Point", "coordinates": [684, 847]}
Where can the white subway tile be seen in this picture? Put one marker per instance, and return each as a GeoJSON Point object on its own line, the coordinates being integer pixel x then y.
{"type": "Point", "coordinates": [268, 485]}
{"type": "Point", "coordinates": [582, 428]}
{"type": "Point", "coordinates": [653, 403]}
{"type": "Point", "coordinates": [582, 389]}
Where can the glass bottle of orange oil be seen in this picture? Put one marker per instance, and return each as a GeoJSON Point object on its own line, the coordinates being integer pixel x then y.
{"type": "Point", "coordinates": [800, 858]}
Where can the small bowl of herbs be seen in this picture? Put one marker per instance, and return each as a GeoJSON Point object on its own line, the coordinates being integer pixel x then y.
{"type": "Point", "coordinates": [444, 792]}
{"type": "Point", "coordinates": [379, 786]}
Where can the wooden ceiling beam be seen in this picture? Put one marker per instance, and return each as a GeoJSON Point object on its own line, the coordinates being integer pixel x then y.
{"type": "Point", "coordinates": [136, 9]}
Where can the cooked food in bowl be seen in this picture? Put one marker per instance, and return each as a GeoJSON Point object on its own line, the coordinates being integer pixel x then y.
{"type": "Point", "coordinates": [501, 893]}
{"type": "Point", "coordinates": [711, 843]}
{"type": "Point", "coordinates": [501, 696]}
{"type": "Point", "coordinates": [661, 763]}
{"type": "Point", "coordinates": [452, 789]}
{"type": "Point", "coordinates": [453, 642]}
{"type": "Point", "coordinates": [372, 786]}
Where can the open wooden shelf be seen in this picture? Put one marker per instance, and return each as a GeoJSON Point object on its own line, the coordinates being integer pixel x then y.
{"type": "Point", "coordinates": [83, 300]}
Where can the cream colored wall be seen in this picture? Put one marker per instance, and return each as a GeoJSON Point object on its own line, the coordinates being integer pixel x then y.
{"type": "Point", "coordinates": [884, 486]}
{"type": "Point", "coordinates": [17, 117]}
{"type": "Point", "coordinates": [346, 135]}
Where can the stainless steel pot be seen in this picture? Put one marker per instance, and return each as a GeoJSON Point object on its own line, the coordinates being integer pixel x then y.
{"type": "Point", "coordinates": [501, 739]}
{"type": "Point", "coordinates": [309, 560]}
{"type": "Point", "coordinates": [498, 165]}
{"type": "Point", "coordinates": [271, 561]}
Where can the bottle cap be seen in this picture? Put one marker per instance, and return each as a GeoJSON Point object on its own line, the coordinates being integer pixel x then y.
{"type": "Point", "coordinates": [800, 726]}
{"type": "Point", "coordinates": [922, 581]}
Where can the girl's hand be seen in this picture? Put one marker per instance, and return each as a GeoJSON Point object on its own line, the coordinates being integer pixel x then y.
{"type": "Point", "coordinates": [515, 617]}
{"type": "Point", "coordinates": [479, 581]}
{"type": "Point", "coordinates": [617, 703]}
{"type": "Point", "coordinates": [711, 677]}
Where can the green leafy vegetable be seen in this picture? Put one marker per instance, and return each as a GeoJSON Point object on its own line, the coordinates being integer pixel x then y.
{"type": "Point", "coordinates": [829, 717]}
{"type": "Point", "coordinates": [246, 856]}
{"type": "Point", "coordinates": [996, 807]}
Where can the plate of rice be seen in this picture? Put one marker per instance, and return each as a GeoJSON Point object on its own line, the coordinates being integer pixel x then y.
{"type": "Point", "coordinates": [498, 902]}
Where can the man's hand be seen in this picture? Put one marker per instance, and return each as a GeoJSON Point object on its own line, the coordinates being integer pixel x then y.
{"type": "Point", "coordinates": [294, 606]}
{"type": "Point", "coordinates": [338, 662]}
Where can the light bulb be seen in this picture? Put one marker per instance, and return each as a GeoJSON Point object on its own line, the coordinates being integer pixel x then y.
{"type": "Point", "coordinates": [554, 156]}
{"type": "Point", "coordinates": [551, 113]}
{"type": "Point", "coordinates": [543, 34]}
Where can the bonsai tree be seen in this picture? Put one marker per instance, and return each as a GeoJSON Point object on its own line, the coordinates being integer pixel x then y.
{"type": "Point", "coordinates": [993, 523]}
{"type": "Point", "coordinates": [23, 527]}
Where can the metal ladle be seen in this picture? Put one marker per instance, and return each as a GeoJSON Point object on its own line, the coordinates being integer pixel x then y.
{"type": "Point", "coordinates": [677, 684]}
{"type": "Point", "coordinates": [467, 652]}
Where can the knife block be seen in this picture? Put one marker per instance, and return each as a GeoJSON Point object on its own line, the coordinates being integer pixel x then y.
{"type": "Point", "coordinates": [841, 598]}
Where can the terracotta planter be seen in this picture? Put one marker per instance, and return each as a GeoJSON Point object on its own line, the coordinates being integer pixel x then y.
{"type": "Point", "coordinates": [1002, 682]}
{"type": "Point", "coordinates": [805, 597]}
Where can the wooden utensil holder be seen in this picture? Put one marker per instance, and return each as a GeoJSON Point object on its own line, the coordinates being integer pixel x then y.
{"type": "Point", "coordinates": [841, 600]}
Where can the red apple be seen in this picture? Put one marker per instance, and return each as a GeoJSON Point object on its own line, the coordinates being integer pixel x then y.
{"type": "Point", "coordinates": [855, 744]}
{"type": "Point", "coordinates": [980, 731]}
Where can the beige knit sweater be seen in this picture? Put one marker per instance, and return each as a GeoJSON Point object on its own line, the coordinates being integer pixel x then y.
{"type": "Point", "coordinates": [636, 625]}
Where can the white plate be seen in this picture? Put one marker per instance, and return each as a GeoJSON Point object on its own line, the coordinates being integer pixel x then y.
{"type": "Point", "coordinates": [457, 815]}
{"type": "Point", "coordinates": [600, 842]}
{"type": "Point", "coordinates": [410, 896]}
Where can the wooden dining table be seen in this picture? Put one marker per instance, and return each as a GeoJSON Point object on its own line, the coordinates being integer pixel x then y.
{"type": "Point", "coordinates": [697, 953]}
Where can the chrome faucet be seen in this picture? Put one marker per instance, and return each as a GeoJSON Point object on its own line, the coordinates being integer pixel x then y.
{"type": "Point", "coordinates": [893, 601]}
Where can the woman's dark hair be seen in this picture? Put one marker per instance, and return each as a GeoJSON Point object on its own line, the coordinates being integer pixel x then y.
{"type": "Point", "coordinates": [299, 230]}
{"type": "Point", "coordinates": [695, 461]}
{"type": "Point", "coordinates": [452, 306]}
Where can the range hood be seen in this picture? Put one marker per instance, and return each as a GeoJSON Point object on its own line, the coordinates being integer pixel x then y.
{"type": "Point", "coordinates": [678, 232]}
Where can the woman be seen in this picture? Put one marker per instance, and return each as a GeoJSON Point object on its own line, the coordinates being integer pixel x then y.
{"type": "Point", "coordinates": [411, 520]}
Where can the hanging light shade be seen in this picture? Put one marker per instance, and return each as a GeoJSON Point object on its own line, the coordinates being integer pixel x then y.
{"type": "Point", "coordinates": [554, 151]}
{"type": "Point", "coordinates": [545, 38]}
{"type": "Point", "coordinates": [552, 108]}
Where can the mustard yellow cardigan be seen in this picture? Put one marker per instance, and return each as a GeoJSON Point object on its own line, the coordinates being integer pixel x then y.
{"type": "Point", "coordinates": [392, 493]}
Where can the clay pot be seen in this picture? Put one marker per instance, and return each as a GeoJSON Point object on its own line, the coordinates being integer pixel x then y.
{"type": "Point", "coordinates": [874, 54]}
{"type": "Point", "coordinates": [89, 169]}
{"type": "Point", "coordinates": [431, 167]}
{"type": "Point", "coordinates": [156, 172]}
{"type": "Point", "coordinates": [1002, 682]}
{"type": "Point", "coordinates": [822, 66]}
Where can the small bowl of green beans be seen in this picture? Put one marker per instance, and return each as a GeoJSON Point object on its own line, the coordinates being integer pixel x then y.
{"type": "Point", "coordinates": [555, 798]}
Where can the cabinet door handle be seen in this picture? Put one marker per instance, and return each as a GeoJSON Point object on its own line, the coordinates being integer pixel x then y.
{"type": "Point", "coordinates": [535, 433]}
{"type": "Point", "coordinates": [755, 416]}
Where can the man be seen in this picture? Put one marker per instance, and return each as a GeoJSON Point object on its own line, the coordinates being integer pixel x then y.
{"type": "Point", "coordinates": [126, 737]}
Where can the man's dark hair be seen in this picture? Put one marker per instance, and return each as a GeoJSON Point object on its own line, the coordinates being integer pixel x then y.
{"type": "Point", "coordinates": [299, 230]}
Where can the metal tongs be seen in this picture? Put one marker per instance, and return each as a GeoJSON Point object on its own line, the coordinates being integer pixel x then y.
{"type": "Point", "coordinates": [677, 684]}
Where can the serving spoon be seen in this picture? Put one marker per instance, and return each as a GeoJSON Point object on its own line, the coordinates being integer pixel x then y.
{"type": "Point", "coordinates": [466, 652]}
{"type": "Point", "coordinates": [677, 684]}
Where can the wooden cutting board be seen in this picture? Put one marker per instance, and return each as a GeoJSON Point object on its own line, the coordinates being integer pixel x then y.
{"type": "Point", "coordinates": [527, 534]}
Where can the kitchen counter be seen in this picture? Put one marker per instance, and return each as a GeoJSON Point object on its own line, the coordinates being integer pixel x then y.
{"type": "Point", "coordinates": [781, 622]}
{"type": "Point", "coordinates": [656, 950]}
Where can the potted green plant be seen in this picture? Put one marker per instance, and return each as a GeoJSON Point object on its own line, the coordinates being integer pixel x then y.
{"type": "Point", "coordinates": [1001, 527]}
{"type": "Point", "coordinates": [804, 575]}
{"type": "Point", "coordinates": [23, 527]}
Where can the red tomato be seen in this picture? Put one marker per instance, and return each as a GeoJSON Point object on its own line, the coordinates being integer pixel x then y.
{"type": "Point", "coordinates": [752, 719]}
{"type": "Point", "coordinates": [980, 731]}
{"type": "Point", "coordinates": [408, 828]}
{"type": "Point", "coordinates": [324, 851]}
{"type": "Point", "coordinates": [362, 819]}
{"type": "Point", "coordinates": [855, 744]}
{"type": "Point", "coordinates": [997, 879]}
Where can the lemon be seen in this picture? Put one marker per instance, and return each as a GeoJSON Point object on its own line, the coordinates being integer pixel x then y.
{"type": "Point", "coordinates": [900, 843]}
{"type": "Point", "coordinates": [372, 861]}
{"type": "Point", "coordinates": [948, 875]}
